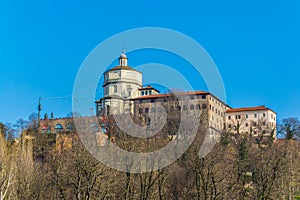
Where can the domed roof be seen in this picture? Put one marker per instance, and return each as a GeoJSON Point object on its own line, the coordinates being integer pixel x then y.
{"type": "Point", "coordinates": [122, 63]}
{"type": "Point", "coordinates": [123, 55]}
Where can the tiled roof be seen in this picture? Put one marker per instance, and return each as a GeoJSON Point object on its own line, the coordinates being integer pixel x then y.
{"type": "Point", "coordinates": [257, 108]}
{"type": "Point", "coordinates": [149, 87]}
{"type": "Point", "coordinates": [170, 94]}
{"type": "Point", "coordinates": [146, 88]}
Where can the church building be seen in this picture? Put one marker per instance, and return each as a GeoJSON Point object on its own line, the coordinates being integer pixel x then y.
{"type": "Point", "coordinates": [121, 84]}
{"type": "Point", "coordinates": [124, 94]}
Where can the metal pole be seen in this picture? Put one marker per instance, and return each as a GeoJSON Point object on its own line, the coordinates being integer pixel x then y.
{"type": "Point", "coordinates": [39, 112]}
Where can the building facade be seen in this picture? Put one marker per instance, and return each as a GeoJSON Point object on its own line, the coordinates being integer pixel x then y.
{"type": "Point", "coordinates": [252, 120]}
{"type": "Point", "coordinates": [124, 94]}
{"type": "Point", "coordinates": [121, 83]}
{"type": "Point", "coordinates": [203, 105]}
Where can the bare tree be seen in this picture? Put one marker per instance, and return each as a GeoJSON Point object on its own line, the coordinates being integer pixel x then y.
{"type": "Point", "coordinates": [25, 168]}
{"type": "Point", "coordinates": [21, 125]}
{"type": "Point", "coordinates": [33, 122]}
{"type": "Point", "coordinates": [289, 128]}
{"type": "Point", "coordinates": [7, 169]}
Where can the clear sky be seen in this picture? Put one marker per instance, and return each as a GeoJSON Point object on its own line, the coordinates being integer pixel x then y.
{"type": "Point", "coordinates": [255, 45]}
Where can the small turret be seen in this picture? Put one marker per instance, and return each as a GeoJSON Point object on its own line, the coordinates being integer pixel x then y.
{"type": "Point", "coordinates": [123, 59]}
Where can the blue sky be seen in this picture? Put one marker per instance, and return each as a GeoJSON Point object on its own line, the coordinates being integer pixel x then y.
{"type": "Point", "coordinates": [255, 45]}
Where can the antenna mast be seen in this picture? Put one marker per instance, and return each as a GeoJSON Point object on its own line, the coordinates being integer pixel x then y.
{"type": "Point", "coordinates": [39, 112]}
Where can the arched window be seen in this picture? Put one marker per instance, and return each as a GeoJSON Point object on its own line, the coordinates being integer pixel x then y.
{"type": "Point", "coordinates": [198, 107]}
{"type": "Point", "coordinates": [107, 110]}
{"type": "Point", "coordinates": [148, 121]}
{"type": "Point", "coordinates": [192, 107]}
{"type": "Point", "coordinates": [140, 110]}
{"type": "Point", "coordinates": [70, 127]}
{"type": "Point", "coordinates": [106, 90]}
{"type": "Point", "coordinates": [203, 106]}
{"type": "Point", "coordinates": [59, 128]}
{"type": "Point", "coordinates": [146, 110]}
{"type": "Point", "coordinates": [179, 107]}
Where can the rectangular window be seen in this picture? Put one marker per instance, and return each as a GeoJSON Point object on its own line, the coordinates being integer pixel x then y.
{"type": "Point", "coordinates": [115, 89]}
{"type": "Point", "coordinates": [106, 90]}
{"type": "Point", "coordinates": [229, 117]}
{"type": "Point", "coordinates": [246, 116]}
{"type": "Point", "coordinates": [264, 114]}
{"type": "Point", "coordinates": [255, 115]}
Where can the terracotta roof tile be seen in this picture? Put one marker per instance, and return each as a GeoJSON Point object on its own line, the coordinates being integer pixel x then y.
{"type": "Point", "coordinates": [257, 108]}
{"type": "Point", "coordinates": [149, 87]}
{"type": "Point", "coordinates": [170, 94]}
